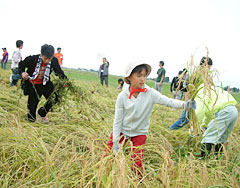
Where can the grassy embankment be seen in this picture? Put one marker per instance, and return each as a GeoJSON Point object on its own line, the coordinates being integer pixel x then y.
{"type": "Point", "coordinates": [66, 152]}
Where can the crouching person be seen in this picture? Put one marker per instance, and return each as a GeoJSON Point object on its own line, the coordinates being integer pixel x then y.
{"type": "Point", "coordinates": [37, 80]}
{"type": "Point", "coordinates": [133, 110]}
{"type": "Point", "coordinates": [216, 113]}
{"type": "Point", "coordinates": [220, 120]}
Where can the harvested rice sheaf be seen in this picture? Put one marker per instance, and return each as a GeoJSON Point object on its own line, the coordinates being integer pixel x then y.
{"type": "Point", "coordinates": [67, 152]}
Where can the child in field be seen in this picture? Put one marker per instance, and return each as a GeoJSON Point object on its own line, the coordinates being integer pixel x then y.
{"type": "Point", "coordinates": [133, 111]}
{"type": "Point", "coordinates": [120, 82]}
{"type": "Point", "coordinates": [216, 115]}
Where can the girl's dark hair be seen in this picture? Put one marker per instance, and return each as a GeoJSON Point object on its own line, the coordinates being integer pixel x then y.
{"type": "Point", "coordinates": [19, 43]}
{"type": "Point", "coordinates": [139, 69]}
{"type": "Point", "coordinates": [47, 50]}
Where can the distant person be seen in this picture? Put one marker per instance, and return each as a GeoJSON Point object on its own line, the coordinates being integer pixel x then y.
{"type": "Point", "coordinates": [16, 58]}
{"type": "Point", "coordinates": [161, 75]}
{"type": "Point", "coordinates": [176, 87]}
{"type": "Point", "coordinates": [59, 56]}
{"type": "Point", "coordinates": [4, 59]}
{"type": "Point", "coordinates": [103, 71]}
{"type": "Point", "coordinates": [120, 82]}
{"type": "Point", "coordinates": [37, 80]}
{"type": "Point", "coordinates": [133, 112]}
{"type": "Point", "coordinates": [185, 80]}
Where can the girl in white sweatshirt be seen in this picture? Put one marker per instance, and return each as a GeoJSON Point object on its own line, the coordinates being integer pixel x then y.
{"type": "Point", "coordinates": [133, 110]}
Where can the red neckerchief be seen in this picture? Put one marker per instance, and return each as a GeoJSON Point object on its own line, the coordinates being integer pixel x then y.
{"type": "Point", "coordinates": [4, 53]}
{"type": "Point", "coordinates": [133, 90]}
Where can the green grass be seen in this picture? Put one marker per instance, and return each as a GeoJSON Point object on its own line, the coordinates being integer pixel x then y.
{"type": "Point", "coordinates": [236, 96]}
{"type": "Point", "coordinates": [113, 80]}
{"type": "Point", "coordinates": [93, 77]}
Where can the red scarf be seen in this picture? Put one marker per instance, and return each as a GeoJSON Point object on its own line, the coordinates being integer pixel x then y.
{"type": "Point", "coordinates": [133, 90]}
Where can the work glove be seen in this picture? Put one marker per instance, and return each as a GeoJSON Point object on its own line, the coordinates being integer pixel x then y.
{"type": "Point", "coordinates": [115, 145]}
{"type": "Point", "coordinates": [190, 104]}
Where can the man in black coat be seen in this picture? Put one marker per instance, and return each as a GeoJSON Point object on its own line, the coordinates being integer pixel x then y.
{"type": "Point", "coordinates": [37, 80]}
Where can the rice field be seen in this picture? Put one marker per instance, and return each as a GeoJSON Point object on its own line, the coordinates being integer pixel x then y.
{"type": "Point", "coordinates": [67, 152]}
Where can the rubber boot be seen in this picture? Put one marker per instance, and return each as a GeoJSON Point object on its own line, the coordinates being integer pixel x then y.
{"type": "Point", "coordinates": [206, 149]}
{"type": "Point", "coordinates": [218, 149]}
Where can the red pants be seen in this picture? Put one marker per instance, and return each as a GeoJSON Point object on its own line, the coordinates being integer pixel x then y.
{"type": "Point", "coordinates": [137, 153]}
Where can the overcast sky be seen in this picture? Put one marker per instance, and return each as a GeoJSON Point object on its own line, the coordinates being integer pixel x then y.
{"type": "Point", "coordinates": [128, 30]}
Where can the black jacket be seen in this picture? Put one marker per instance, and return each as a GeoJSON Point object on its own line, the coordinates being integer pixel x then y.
{"type": "Point", "coordinates": [175, 83]}
{"type": "Point", "coordinates": [30, 63]}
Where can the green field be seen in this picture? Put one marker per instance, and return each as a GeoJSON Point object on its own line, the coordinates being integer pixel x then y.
{"type": "Point", "coordinates": [67, 152]}
{"type": "Point", "coordinates": [93, 77]}
{"type": "Point", "coordinates": [237, 97]}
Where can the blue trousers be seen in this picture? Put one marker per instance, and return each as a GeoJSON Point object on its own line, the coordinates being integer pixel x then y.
{"type": "Point", "coordinates": [15, 77]}
{"type": "Point", "coordinates": [218, 129]}
{"type": "Point", "coordinates": [3, 65]}
{"type": "Point", "coordinates": [183, 120]}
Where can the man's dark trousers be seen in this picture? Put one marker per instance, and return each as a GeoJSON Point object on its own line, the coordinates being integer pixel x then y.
{"type": "Point", "coordinates": [104, 78]}
{"type": "Point", "coordinates": [34, 94]}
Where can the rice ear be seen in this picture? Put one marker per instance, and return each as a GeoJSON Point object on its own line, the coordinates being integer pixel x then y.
{"type": "Point", "coordinates": [200, 77]}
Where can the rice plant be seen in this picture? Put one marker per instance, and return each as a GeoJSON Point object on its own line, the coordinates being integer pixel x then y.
{"type": "Point", "coordinates": [67, 152]}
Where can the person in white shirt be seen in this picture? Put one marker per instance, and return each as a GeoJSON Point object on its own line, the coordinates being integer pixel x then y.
{"type": "Point", "coordinates": [133, 110]}
{"type": "Point", "coordinates": [16, 58]}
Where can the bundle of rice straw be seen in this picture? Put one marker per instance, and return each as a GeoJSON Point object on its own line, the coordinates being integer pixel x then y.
{"type": "Point", "coordinates": [200, 77]}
